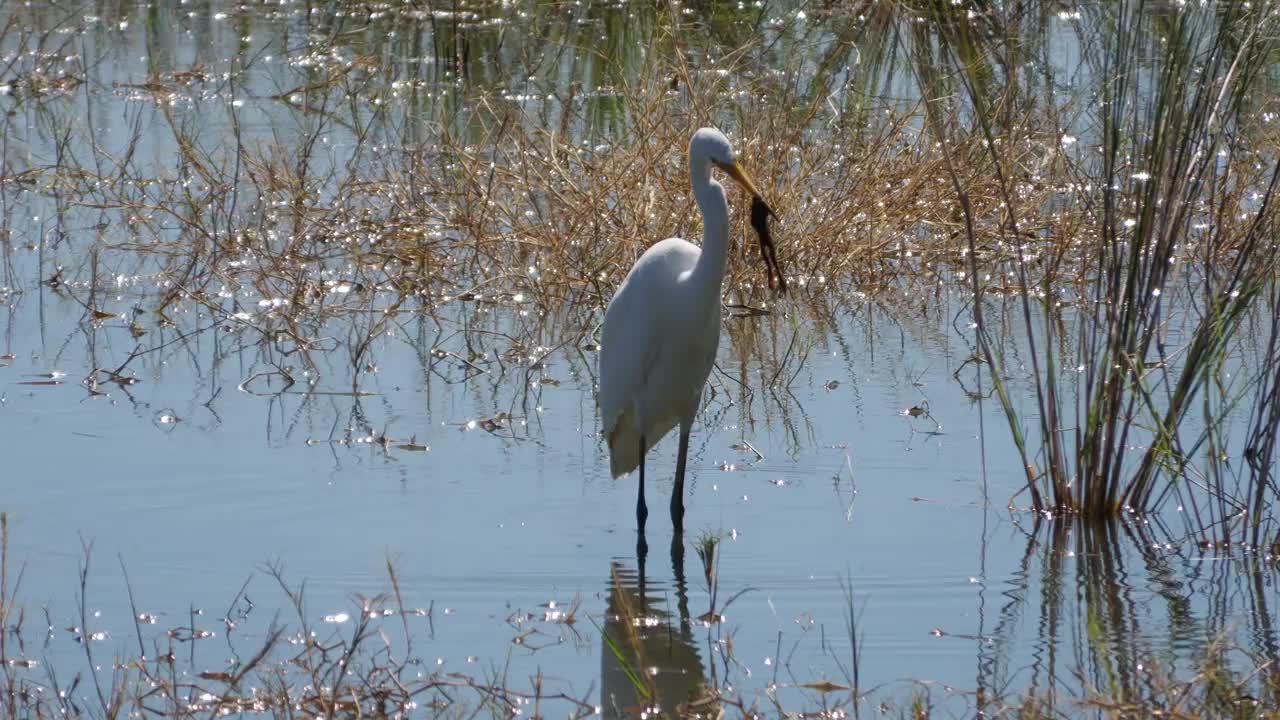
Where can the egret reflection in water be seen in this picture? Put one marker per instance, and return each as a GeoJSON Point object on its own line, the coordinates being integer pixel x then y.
{"type": "Point", "coordinates": [649, 656]}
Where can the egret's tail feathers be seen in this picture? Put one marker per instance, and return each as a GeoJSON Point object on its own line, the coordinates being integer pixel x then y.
{"type": "Point", "coordinates": [624, 443]}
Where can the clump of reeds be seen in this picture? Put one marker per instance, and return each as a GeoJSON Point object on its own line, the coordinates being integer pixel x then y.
{"type": "Point", "coordinates": [1133, 361]}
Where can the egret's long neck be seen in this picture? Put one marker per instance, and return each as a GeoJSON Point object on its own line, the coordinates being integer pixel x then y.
{"type": "Point", "coordinates": [715, 228]}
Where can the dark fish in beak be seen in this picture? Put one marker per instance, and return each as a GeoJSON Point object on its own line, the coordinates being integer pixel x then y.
{"type": "Point", "coordinates": [760, 212]}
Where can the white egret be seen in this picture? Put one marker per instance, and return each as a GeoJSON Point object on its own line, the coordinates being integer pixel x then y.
{"type": "Point", "coordinates": [662, 327]}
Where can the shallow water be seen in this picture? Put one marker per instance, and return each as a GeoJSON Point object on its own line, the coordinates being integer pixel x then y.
{"type": "Point", "coordinates": [483, 528]}
{"type": "Point", "coordinates": [205, 472]}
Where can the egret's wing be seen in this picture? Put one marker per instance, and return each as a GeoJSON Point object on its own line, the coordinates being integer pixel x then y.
{"type": "Point", "coordinates": [631, 345]}
{"type": "Point", "coordinates": [628, 354]}
{"type": "Point", "coordinates": [628, 351]}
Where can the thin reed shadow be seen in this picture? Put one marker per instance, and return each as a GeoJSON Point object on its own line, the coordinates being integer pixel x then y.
{"type": "Point", "coordinates": [1101, 587]}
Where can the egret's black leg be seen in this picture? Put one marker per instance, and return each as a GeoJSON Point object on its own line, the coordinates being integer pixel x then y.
{"type": "Point", "coordinates": [642, 512]}
{"type": "Point", "coordinates": [677, 492]}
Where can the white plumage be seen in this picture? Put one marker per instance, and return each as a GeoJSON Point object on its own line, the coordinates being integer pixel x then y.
{"type": "Point", "coordinates": [662, 328]}
{"type": "Point", "coordinates": [657, 350]}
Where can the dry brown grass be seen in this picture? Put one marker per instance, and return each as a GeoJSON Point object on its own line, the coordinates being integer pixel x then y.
{"type": "Point", "coordinates": [512, 205]}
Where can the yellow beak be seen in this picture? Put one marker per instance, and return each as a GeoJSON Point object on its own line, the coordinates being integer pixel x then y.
{"type": "Point", "coordinates": [735, 171]}
{"type": "Point", "coordinates": [760, 212]}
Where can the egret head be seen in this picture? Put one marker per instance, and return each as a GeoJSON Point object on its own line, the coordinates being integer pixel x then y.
{"type": "Point", "coordinates": [710, 144]}
{"type": "Point", "coordinates": [710, 147]}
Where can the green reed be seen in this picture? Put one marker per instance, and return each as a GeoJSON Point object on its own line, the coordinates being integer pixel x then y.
{"type": "Point", "coordinates": [1177, 211]}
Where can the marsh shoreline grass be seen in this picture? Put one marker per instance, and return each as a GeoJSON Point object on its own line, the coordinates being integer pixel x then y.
{"type": "Point", "coordinates": [545, 214]}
